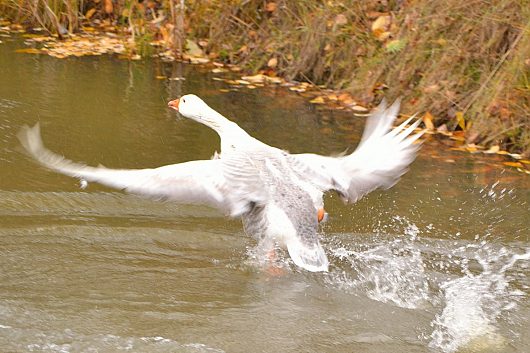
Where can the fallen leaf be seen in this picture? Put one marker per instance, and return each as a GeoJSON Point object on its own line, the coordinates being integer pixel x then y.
{"type": "Point", "coordinates": [493, 149]}
{"type": "Point", "coordinates": [28, 51]}
{"type": "Point", "coordinates": [346, 98]}
{"type": "Point", "coordinates": [109, 8]}
{"type": "Point", "coordinates": [194, 60]}
{"type": "Point", "coordinates": [427, 120]}
{"type": "Point", "coordinates": [359, 108]}
{"type": "Point", "coordinates": [514, 164]}
{"type": "Point", "coordinates": [160, 77]}
{"type": "Point", "coordinates": [90, 13]}
{"type": "Point", "coordinates": [461, 121]}
{"type": "Point", "coordinates": [317, 100]}
{"type": "Point", "coordinates": [340, 20]}
{"type": "Point", "coordinates": [272, 63]}
{"type": "Point", "coordinates": [271, 7]}
{"type": "Point", "coordinates": [259, 78]}
{"type": "Point", "coordinates": [380, 27]}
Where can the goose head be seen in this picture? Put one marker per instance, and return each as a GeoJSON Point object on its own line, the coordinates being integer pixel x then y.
{"type": "Point", "coordinates": [192, 107]}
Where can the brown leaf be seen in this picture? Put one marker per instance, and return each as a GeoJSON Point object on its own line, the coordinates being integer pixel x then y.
{"type": "Point", "coordinates": [109, 8]}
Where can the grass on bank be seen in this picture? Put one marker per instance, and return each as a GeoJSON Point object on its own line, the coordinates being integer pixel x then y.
{"type": "Point", "coordinates": [467, 63]}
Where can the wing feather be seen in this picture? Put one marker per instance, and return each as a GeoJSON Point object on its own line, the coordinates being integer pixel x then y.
{"type": "Point", "coordinates": [206, 182]}
{"type": "Point", "coordinates": [381, 158]}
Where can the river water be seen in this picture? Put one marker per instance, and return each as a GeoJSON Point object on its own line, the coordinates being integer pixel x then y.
{"type": "Point", "coordinates": [438, 263]}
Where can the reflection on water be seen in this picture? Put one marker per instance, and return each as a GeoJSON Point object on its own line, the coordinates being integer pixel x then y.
{"type": "Point", "coordinates": [438, 263]}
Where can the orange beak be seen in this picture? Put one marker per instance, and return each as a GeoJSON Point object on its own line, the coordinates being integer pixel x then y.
{"type": "Point", "coordinates": [174, 104]}
{"type": "Point", "coordinates": [320, 214]}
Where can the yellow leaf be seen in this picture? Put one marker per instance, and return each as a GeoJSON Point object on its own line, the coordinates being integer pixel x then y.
{"type": "Point", "coordinates": [161, 77]}
{"type": "Point", "coordinates": [259, 78]}
{"type": "Point", "coordinates": [317, 100]}
{"type": "Point", "coordinates": [493, 149]}
{"type": "Point", "coordinates": [514, 164]}
{"type": "Point", "coordinates": [427, 120]}
{"type": "Point", "coordinates": [381, 26]}
{"type": "Point", "coordinates": [461, 121]}
{"type": "Point", "coordinates": [28, 51]}
{"type": "Point", "coordinates": [90, 13]}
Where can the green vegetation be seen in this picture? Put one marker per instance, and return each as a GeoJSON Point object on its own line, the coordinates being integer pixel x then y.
{"type": "Point", "coordinates": [467, 63]}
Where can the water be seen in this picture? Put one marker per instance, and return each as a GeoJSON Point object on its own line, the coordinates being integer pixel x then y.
{"type": "Point", "coordinates": [439, 263]}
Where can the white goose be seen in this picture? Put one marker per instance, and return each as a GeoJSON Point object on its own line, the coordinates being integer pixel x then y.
{"type": "Point", "coordinates": [278, 195]}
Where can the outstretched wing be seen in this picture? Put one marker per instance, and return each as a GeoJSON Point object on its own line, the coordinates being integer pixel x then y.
{"type": "Point", "coordinates": [208, 182]}
{"type": "Point", "coordinates": [381, 158]}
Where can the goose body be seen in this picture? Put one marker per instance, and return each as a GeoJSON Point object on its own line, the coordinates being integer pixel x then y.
{"type": "Point", "coordinates": [278, 195]}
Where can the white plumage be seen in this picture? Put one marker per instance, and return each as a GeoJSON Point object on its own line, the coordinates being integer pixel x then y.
{"type": "Point", "coordinates": [277, 194]}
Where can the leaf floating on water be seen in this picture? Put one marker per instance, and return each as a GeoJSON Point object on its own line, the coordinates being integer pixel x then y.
{"type": "Point", "coordinates": [160, 77]}
{"type": "Point", "coordinates": [514, 164]}
{"type": "Point", "coordinates": [317, 100]}
{"type": "Point", "coordinates": [359, 108]}
{"type": "Point", "coordinates": [29, 51]}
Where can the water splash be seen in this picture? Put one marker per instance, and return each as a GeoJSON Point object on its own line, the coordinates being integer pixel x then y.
{"type": "Point", "coordinates": [474, 303]}
{"type": "Point", "coordinates": [393, 271]}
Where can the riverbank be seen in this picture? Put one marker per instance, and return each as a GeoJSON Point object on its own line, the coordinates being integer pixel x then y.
{"type": "Point", "coordinates": [463, 66]}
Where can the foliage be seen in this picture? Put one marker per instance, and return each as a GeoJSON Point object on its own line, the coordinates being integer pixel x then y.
{"type": "Point", "coordinates": [467, 64]}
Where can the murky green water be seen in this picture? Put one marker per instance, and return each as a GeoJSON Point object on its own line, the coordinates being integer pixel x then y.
{"type": "Point", "coordinates": [438, 263]}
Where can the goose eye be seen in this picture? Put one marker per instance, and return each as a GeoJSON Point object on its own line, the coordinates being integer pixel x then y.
{"type": "Point", "coordinates": [183, 100]}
